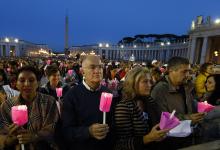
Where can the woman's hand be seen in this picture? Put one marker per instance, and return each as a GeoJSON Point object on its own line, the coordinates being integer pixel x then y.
{"type": "Point", "coordinates": [155, 134]}
{"type": "Point", "coordinates": [11, 138]}
{"type": "Point", "coordinates": [13, 129]}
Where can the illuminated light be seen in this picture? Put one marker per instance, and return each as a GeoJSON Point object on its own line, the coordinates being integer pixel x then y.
{"type": "Point", "coordinates": [216, 53]}
{"type": "Point", "coordinates": [92, 53]}
{"type": "Point", "coordinates": [193, 25]}
{"type": "Point", "coordinates": [217, 21]}
{"type": "Point", "coordinates": [162, 44]}
{"type": "Point", "coordinates": [148, 46]}
{"type": "Point", "coordinates": [100, 44]}
{"type": "Point", "coordinates": [135, 46]}
{"type": "Point", "coordinates": [122, 46]}
{"type": "Point", "coordinates": [107, 45]}
{"type": "Point", "coordinates": [83, 53]}
{"type": "Point", "coordinates": [168, 43]}
{"type": "Point", "coordinates": [16, 40]}
{"type": "Point", "coordinates": [7, 40]}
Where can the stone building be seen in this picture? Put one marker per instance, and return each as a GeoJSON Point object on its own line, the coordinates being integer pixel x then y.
{"type": "Point", "coordinates": [13, 47]}
{"type": "Point", "coordinates": [204, 45]}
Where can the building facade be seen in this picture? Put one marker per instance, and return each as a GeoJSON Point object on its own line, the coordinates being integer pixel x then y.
{"type": "Point", "coordinates": [13, 47]}
{"type": "Point", "coordinates": [204, 45]}
{"type": "Point", "coordinates": [135, 52]}
{"type": "Point", "coordinates": [144, 52]}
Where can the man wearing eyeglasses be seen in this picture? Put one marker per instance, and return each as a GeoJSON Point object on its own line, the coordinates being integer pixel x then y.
{"type": "Point", "coordinates": [82, 119]}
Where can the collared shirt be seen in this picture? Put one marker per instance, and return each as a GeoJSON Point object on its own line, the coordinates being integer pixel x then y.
{"type": "Point", "coordinates": [89, 88]}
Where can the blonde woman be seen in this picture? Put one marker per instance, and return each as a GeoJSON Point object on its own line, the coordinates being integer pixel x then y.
{"type": "Point", "coordinates": [133, 131]}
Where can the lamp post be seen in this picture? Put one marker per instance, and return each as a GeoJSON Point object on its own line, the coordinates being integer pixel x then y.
{"type": "Point", "coordinates": [7, 40]}
{"type": "Point", "coordinates": [122, 52]}
{"type": "Point", "coordinates": [15, 52]}
{"type": "Point", "coordinates": [216, 53]}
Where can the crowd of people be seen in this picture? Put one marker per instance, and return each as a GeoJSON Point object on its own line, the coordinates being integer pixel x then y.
{"type": "Point", "coordinates": [73, 120]}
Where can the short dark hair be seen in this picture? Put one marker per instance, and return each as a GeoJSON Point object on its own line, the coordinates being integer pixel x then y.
{"type": "Point", "coordinates": [204, 67]}
{"type": "Point", "coordinates": [30, 69]}
{"type": "Point", "coordinates": [176, 61]}
{"type": "Point", "coordinates": [51, 69]}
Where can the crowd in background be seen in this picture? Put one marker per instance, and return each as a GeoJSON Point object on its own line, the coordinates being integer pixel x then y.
{"type": "Point", "coordinates": [141, 92]}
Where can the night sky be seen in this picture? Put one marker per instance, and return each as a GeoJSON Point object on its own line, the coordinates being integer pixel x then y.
{"type": "Point", "coordinates": [94, 21]}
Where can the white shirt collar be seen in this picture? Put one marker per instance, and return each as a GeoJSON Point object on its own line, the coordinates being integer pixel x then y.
{"type": "Point", "coordinates": [88, 87]}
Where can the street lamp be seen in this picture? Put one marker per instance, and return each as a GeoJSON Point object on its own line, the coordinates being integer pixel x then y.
{"type": "Point", "coordinates": [216, 53]}
{"type": "Point", "coordinates": [217, 21]}
{"type": "Point", "coordinates": [100, 44]}
{"type": "Point", "coordinates": [16, 40]}
{"type": "Point", "coordinates": [7, 40]}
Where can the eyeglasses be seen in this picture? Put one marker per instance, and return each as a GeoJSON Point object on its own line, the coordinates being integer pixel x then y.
{"type": "Point", "coordinates": [93, 67]}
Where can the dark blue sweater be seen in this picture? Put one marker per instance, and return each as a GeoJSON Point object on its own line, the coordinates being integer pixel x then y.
{"type": "Point", "coordinates": [81, 109]}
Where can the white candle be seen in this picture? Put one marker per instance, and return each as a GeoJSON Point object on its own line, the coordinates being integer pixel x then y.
{"type": "Point", "coordinates": [104, 117]}
{"type": "Point", "coordinates": [22, 146]}
{"type": "Point", "coordinates": [172, 114]}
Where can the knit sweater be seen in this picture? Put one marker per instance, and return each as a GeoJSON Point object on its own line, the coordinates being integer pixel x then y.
{"type": "Point", "coordinates": [130, 126]}
{"type": "Point", "coordinates": [81, 109]}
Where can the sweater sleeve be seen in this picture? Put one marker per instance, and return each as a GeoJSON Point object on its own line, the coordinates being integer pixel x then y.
{"type": "Point", "coordinates": [123, 122]}
{"type": "Point", "coordinates": [71, 130]}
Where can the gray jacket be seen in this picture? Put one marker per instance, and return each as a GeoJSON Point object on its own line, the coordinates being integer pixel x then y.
{"type": "Point", "coordinates": [169, 98]}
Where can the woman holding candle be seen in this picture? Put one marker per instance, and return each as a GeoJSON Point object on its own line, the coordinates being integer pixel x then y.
{"type": "Point", "coordinates": [132, 119]}
{"type": "Point", "coordinates": [211, 123]}
{"type": "Point", "coordinates": [42, 114]}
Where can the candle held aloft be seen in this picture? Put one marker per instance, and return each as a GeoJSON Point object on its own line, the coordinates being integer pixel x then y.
{"type": "Point", "coordinates": [105, 104]}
